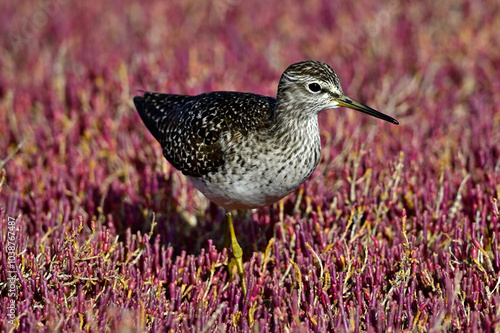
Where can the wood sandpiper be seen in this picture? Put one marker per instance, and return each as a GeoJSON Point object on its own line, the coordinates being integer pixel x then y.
{"type": "Point", "coordinates": [243, 150]}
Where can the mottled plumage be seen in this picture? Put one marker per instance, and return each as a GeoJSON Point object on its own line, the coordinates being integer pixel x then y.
{"type": "Point", "coordinates": [190, 128]}
{"type": "Point", "coordinates": [243, 150]}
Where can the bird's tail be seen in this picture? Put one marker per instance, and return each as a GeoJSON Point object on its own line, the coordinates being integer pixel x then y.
{"type": "Point", "coordinates": [150, 115]}
{"type": "Point", "coordinates": [157, 110]}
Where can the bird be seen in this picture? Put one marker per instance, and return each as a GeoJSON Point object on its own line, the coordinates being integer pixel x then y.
{"type": "Point", "coordinates": [243, 150]}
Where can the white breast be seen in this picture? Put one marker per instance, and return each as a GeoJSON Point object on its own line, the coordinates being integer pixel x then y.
{"type": "Point", "coordinates": [254, 178]}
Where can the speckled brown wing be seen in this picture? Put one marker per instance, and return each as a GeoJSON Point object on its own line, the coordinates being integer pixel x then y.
{"type": "Point", "coordinates": [190, 128]}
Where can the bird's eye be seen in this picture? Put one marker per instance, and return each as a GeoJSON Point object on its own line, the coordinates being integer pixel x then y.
{"type": "Point", "coordinates": [314, 87]}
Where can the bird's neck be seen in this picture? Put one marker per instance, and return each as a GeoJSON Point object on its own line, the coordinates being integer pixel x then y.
{"type": "Point", "coordinates": [292, 124]}
{"type": "Point", "coordinates": [292, 114]}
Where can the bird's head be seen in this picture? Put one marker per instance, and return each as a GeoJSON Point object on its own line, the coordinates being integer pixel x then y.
{"type": "Point", "coordinates": [316, 87]}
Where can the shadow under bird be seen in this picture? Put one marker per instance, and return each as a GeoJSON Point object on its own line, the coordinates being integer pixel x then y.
{"type": "Point", "coordinates": [243, 150]}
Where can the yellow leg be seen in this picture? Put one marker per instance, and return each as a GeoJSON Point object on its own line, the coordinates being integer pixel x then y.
{"type": "Point", "coordinates": [237, 252]}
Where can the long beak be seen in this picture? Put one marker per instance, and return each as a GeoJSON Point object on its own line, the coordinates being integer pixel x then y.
{"type": "Point", "coordinates": [350, 103]}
